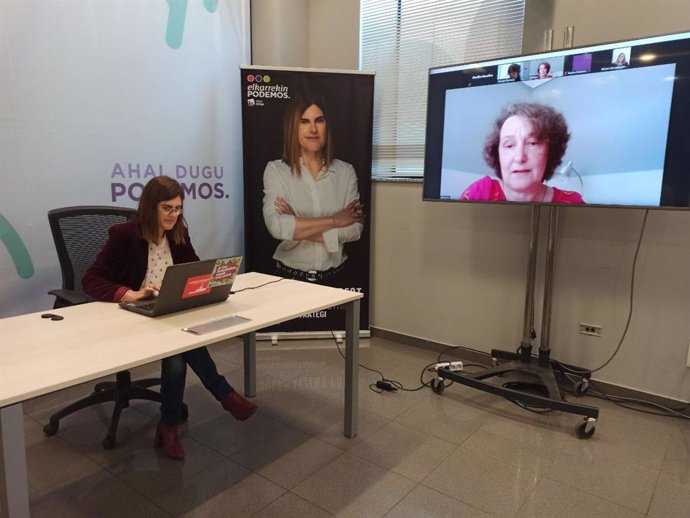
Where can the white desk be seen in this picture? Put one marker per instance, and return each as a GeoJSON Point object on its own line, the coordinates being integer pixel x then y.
{"type": "Point", "coordinates": [39, 356]}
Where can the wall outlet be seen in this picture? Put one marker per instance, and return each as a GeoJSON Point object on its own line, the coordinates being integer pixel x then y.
{"type": "Point", "coordinates": [590, 329]}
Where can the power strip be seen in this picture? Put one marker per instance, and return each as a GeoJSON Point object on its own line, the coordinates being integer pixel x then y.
{"type": "Point", "coordinates": [451, 366]}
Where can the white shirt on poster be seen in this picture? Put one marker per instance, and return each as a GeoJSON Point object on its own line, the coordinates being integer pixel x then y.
{"type": "Point", "coordinates": [330, 192]}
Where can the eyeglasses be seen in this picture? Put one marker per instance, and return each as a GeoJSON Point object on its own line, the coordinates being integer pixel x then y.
{"type": "Point", "coordinates": [170, 210]}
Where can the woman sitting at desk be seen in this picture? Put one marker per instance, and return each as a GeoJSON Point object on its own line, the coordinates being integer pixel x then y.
{"type": "Point", "coordinates": [130, 267]}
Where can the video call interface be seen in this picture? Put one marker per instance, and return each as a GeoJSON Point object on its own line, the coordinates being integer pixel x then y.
{"type": "Point", "coordinates": [624, 108]}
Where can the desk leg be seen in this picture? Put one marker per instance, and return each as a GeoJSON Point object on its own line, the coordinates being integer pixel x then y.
{"type": "Point", "coordinates": [14, 485]}
{"type": "Point", "coordinates": [351, 367]}
{"type": "Point", "coordinates": [249, 364]}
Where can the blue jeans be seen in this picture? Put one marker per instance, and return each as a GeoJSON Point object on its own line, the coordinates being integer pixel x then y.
{"type": "Point", "coordinates": [173, 376]}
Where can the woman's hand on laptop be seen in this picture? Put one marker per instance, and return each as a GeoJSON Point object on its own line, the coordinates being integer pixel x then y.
{"type": "Point", "coordinates": [146, 292]}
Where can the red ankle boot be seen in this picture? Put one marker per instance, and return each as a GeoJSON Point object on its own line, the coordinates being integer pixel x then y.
{"type": "Point", "coordinates": [239, 407]}
{"type": "Point", "coordinates": [166, 436]}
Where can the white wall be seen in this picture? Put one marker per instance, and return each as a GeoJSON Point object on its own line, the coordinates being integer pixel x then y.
{"type": "Point", "coordinates": [456, 273]}
{"type": "Point", "coordinates": [306, 33]}
{"type": "Point", "coordinates": [334, 34]}
{"type": "Point", "coordinates": [280, 32]}
{"type": "Point", "coordinates": [596, 21]}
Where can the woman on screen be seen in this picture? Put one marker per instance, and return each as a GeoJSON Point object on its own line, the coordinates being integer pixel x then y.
{"type": "Point", "coordinates": [543, 71]}
{"type": "Point", "coordinates": [311, 200]}
{"type": "Point", "coordinates": [514, 72]}
{"type": "Point", "coordinates": [130, 267]}
{"type": "Point", "coordinates": [526, 144]}
{"type": "Point", "coordinates": [620, 60]}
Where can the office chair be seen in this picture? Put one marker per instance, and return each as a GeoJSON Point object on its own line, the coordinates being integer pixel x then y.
{"type": "Point", "coordinates": [79, 234]}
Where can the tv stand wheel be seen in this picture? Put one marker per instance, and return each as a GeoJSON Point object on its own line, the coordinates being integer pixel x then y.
{"type": "Point", "coordinates": [437, 385]}
{"type": "Point", "coordinates": [580, 388]}
{"type": "Point", "coordinates": [586, 430]}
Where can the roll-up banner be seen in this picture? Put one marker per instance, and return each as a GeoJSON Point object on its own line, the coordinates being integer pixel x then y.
{"type": "Point", "coordinates": [307, 138]}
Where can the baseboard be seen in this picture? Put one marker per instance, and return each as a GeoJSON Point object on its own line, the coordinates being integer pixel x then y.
{"type": "Point", "coordinates": [472, 355]}
{"type": "Point", "coordinates": [463, 353]}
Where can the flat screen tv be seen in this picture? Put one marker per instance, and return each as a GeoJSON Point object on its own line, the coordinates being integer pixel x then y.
{"type": "Point", "coordinates": [603, 125]}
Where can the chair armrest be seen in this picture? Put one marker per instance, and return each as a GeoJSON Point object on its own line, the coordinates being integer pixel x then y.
{"type": "Point", "coordinates": [72, 298]}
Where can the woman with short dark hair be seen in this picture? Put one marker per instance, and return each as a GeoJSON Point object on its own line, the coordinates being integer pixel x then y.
{"type": "Point", "coordinates": [543, 71]}
{"type": "Point", "coordinates": [514, 72]}
{"type": "Point", "coordinates": [526, 144]}
{"type": "Point", "coordinates": [130, 267]}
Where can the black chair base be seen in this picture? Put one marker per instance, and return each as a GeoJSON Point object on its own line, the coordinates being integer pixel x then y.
{"type": "Point", "coordinates": [121, 392]}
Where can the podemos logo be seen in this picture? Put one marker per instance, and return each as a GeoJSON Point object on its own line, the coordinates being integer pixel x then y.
{"type": "Point", "coordinates": [260, 87]}
{"type": "Point", "coordinates": [258, 78]}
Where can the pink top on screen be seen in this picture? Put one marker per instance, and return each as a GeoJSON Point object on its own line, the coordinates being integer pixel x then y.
{"type": "Point", "coordinates": [489, 189]}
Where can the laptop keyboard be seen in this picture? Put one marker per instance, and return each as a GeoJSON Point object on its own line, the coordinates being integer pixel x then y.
{"type": "Point", "coordinates": [148, 306]}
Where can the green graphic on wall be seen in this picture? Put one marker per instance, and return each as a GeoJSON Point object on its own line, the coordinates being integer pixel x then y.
{"type": "Point", "coordinates": [177, 11]}
{"type": "Point", "coordinates": [15, 246]}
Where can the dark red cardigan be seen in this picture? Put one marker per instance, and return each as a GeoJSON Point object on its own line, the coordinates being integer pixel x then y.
{"type": "Point", "coordinates": [121, 264]}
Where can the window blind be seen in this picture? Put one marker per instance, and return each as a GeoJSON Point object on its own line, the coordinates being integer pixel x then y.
{"type": "Point", "coordinates": [400, 40]}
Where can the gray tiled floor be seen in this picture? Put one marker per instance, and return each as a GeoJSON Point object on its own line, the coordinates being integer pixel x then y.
{"type": "Point", "coordinates": [462, 453]}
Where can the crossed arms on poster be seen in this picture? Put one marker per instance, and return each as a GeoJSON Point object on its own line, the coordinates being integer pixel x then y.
{"type": "Point", "coordinates": [313, 217]}
{"type": "Point", "coordinates": [311, 201]}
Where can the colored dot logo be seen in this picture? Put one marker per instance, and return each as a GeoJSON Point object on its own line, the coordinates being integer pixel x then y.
{"type": "Point", "coordinates": [258, 78]}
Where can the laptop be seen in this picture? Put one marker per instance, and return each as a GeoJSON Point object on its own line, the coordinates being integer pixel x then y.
{"type": "Point", "coordinates": [190, 285]}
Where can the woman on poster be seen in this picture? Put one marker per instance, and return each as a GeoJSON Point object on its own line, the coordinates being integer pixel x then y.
{"type": "Point", "coordinates": [311, 200]}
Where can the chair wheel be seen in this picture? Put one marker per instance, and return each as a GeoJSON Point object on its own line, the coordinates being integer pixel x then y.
{"type": "Point", "coordinates": [185, 413]}
{"type": "Point", "coordinates": [437, 385]}
{"type": "Point", "coordinates": [580, 388]}
{"type": "Point", "coordinates": [585, 430]}
{"type": "Point", "coordinates": [109, 443]}
{"type": "Point", "coordinates": [51, 429]}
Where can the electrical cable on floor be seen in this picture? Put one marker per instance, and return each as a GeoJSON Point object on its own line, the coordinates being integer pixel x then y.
{"type": "Point", "coordinates": [382, 385]}
{"type": "Point", "coordinates": [524, 386]}
{"type": "Point", "coordinates": [390, 385]}
{"type": "Point", "coordinates": [624, 402]}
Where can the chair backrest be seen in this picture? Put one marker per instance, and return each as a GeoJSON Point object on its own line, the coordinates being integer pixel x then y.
{"type": "Point", "coordinates": [79, 234]}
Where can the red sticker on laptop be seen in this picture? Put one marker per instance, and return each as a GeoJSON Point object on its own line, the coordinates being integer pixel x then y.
{"type": "Point", "coordinates": [197, 285]}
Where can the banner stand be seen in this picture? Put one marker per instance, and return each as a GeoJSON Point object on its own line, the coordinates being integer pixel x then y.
{"type": "Point", "coordinates": [276, 337]}
{"type": "Point", "coordinates": [307, 152]}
